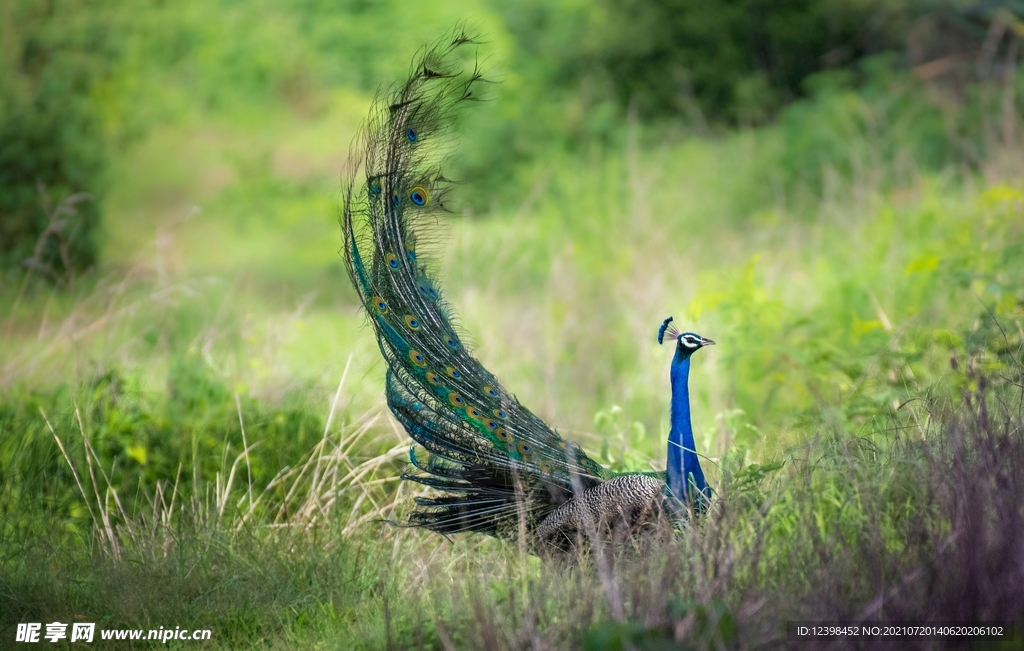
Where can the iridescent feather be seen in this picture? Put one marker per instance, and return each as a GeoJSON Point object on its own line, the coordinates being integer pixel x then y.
{"type": "Point", "coordinates": [496, 467]}
{"type": "Point", "coordinates": [493, 460]}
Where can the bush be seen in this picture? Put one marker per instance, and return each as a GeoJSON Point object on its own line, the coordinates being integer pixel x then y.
{"type": "Point", "coordinates": [52, 150]}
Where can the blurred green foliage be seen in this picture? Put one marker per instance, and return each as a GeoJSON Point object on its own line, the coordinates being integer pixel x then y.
{"type": "Point", "coordinates": [689, 67]}
{"type": "Point", "coordinates": [141, 438]}
{"type": "Point", "coordinates": [736, 61]}
{"type": "Point", "coordinates": [52, 144]}
{"type": "Point", "coordinates": [81, 81]}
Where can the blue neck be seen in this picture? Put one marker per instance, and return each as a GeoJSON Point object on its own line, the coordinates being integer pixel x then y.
{"type": "Point", "coordinates": [683, 466]}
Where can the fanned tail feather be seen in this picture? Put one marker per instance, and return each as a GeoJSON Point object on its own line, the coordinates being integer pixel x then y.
{"type": "Point", "coordinates": [492, 460]}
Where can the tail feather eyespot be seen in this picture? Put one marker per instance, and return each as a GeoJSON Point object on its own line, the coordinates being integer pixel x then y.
{"type": "Point", "coordinates": [500, 413]}
{"type": "Point", "coordinates": [391, 259]}
{"type": "Point", "coordinates": [380, 304]}
{"type": "Point", "coordinates": [453, 372]}
{"type": "Point", "coordinates": [412, 322]}
{"type": "Point", "coordinates": [411, 134]}
{"type": "Point", "coordinates": [456, 399]}
{"type": "Point", "coordinates": [419, 196]}
{"type": "Point", "coordinates": [417, 358]}
{"type": "Point", "coordinates": [503, 434]}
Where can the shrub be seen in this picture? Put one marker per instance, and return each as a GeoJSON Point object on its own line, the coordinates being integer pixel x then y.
{"type": "Point", "coordinates": [51, 140]}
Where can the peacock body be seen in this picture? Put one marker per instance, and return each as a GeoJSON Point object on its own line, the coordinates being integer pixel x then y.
{"type": "Point", "coordinates": [496, 467]}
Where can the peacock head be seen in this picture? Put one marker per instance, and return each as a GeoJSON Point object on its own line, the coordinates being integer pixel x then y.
{"type": "Point", "coordinates": [687, 343]}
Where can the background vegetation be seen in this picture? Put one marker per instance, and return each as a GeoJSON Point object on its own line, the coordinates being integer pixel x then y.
{"type": "Point", "coordinates": [192, 428]}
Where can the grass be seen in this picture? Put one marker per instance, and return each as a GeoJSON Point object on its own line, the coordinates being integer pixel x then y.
{"type": "Point", "coordinates": [925, 528]}
{"type": "Point", "coordinates": [194, 434]}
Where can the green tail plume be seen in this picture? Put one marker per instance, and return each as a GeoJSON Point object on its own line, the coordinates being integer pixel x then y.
{"type": "Point", "coordinates": [491, 459]}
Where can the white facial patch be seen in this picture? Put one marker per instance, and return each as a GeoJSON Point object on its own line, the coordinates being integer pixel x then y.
{"type": "Point", "coordinates": [689, 341]}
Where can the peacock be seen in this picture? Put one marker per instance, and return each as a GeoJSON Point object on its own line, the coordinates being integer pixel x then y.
{"type": "Point", "coordinates": [496, 468]}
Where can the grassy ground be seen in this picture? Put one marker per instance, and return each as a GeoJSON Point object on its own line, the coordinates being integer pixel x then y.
{"type": "Point", "coordinates": [194, 435]}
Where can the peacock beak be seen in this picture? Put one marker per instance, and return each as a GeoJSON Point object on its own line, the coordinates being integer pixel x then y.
{"type": "Point", "coordinates": [704, 341]}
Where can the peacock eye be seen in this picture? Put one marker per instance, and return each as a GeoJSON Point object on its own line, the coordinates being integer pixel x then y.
{"type": "Point", "coordinates": [419, 195]}
{"type": "Point", "coordinates": [411, 134]}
